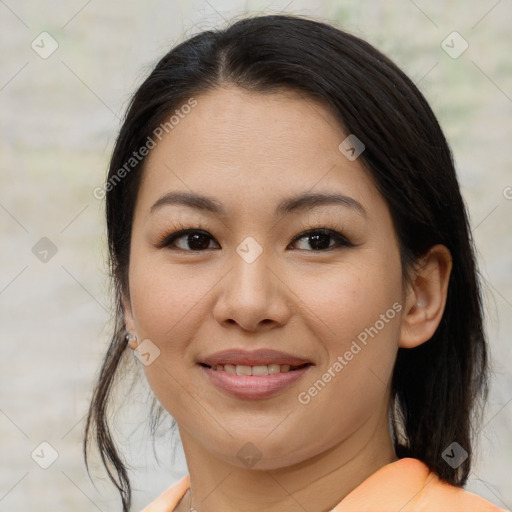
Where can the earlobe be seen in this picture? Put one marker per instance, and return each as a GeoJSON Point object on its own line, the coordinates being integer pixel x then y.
{"type": "Point", "coordinates": [127, 313]}
{"type": "Point", "coordinates": [426, 297]}
{"type": "Point", "coordinates": [131, 337]}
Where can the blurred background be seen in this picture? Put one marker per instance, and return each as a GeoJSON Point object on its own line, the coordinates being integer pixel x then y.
{"type": "Point", "coordinates": [67, 72]}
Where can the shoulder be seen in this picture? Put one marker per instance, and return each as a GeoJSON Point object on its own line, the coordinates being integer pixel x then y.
{"type": "Point", "coordinates": [405, 485]}
{"type": "Point", "coordinates": [442, 496]}
{"type": "Point", "coordinates": [436, 494]}
{"type": "Point", "coordinates": [168, 500]}
{"type": "Point", "coordinates": [408, 485]}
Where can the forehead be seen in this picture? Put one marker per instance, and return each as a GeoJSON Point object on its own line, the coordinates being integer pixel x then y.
{"type": "Point", "coordinates": [251, 148]}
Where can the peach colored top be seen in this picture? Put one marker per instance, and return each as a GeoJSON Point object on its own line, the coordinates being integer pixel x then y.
{"type": "Point", "coordinates": [405, 485]}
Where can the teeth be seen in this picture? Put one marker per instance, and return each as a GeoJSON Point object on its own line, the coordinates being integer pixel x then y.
{"type": "Point", "coordinates": [240, 369]}
{"type": "Point", "coordinates": [228, 368]}
{"type": "Point", "coordinates": [260, 370]}
{"type": "Point", "coordinates": [243, 370]}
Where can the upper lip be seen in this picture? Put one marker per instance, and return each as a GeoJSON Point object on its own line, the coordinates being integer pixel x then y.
{"type": "Point", "coordinates": [253, 358]}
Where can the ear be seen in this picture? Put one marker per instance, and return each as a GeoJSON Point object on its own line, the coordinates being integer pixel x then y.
{"type": "Point", "coordinates": [130, 324]}
{"type": "Point", "coordinates": [426, 297]}
{"type": "Point", "coordinates": [128, 315]}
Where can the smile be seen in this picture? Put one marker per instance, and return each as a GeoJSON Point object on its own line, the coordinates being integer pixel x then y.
{"type": "Point", "coordinates": [265, 369]}
{"type": "Point", "coordinates": [253, 382]}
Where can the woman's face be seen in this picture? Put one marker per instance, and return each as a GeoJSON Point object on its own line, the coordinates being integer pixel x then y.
{"type": "Point", "coordinates": [252, 280]}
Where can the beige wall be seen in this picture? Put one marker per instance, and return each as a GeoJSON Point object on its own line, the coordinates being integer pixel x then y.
{"type": "Point", "coordinates": [59, 117]}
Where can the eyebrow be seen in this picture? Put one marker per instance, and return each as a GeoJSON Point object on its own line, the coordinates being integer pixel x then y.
{"type": "Point", "coordinates": [289, 205]}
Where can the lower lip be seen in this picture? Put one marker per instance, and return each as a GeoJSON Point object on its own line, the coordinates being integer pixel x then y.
{"type": "Point", "coordinates": [253, 386]}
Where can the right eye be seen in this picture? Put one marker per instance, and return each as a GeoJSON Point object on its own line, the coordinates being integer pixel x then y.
{"type": "Point", "coordinates": [197, 240]}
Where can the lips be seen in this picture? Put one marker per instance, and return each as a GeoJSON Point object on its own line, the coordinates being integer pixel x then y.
{"type": "Point", "coordinates": [254, 374]}
{"type": "Point", "coordinates": [259, 357]}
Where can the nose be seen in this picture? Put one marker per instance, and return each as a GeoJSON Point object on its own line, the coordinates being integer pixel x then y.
{"type": "Point", "coordinates": [253, 294]}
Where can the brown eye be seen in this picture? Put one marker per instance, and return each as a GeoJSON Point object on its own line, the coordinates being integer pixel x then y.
{"type": "Point", "coordinates": [193, 240]}
{"type": "Point", "coordinates": [320, 238]}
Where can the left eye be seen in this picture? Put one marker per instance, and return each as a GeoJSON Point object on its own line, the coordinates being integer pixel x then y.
{"type": "Point", "coordinates": [319, 238]}
{"type": "Point", "coordinates": [198, 240]}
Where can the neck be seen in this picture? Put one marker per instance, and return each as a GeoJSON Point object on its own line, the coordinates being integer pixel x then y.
{"type": "Point", "coordinates": [316, 484]}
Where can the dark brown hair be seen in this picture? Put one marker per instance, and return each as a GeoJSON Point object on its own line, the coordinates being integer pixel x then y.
{"type": "Point", "coordinates": [435, 386]}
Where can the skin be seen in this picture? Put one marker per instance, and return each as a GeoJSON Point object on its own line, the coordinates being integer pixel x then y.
{"type": "Point", "coordinates": [249, 151]}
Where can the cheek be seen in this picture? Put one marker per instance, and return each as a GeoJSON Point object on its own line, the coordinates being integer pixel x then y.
{"type": "Point", "coordinates": [345, 300]}
{"type": "Point", "coordinates": [160, 291]}
{"type": "Point", "coordinates": [166, 300]}
{"type": "Point", "coordinates": [360, 313]}
{"type": "Point", "coordinates": [355, 313]}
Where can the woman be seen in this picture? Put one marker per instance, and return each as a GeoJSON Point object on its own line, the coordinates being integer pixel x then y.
{"type": "Point", "coordinates": [294, 271]}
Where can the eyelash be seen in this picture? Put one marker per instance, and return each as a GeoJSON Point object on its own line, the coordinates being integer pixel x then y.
{"type": "Point", "coordinates": [167, 240]}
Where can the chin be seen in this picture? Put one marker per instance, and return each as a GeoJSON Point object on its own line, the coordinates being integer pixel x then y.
{"type": "Point", "coordinates": [261, 456]}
